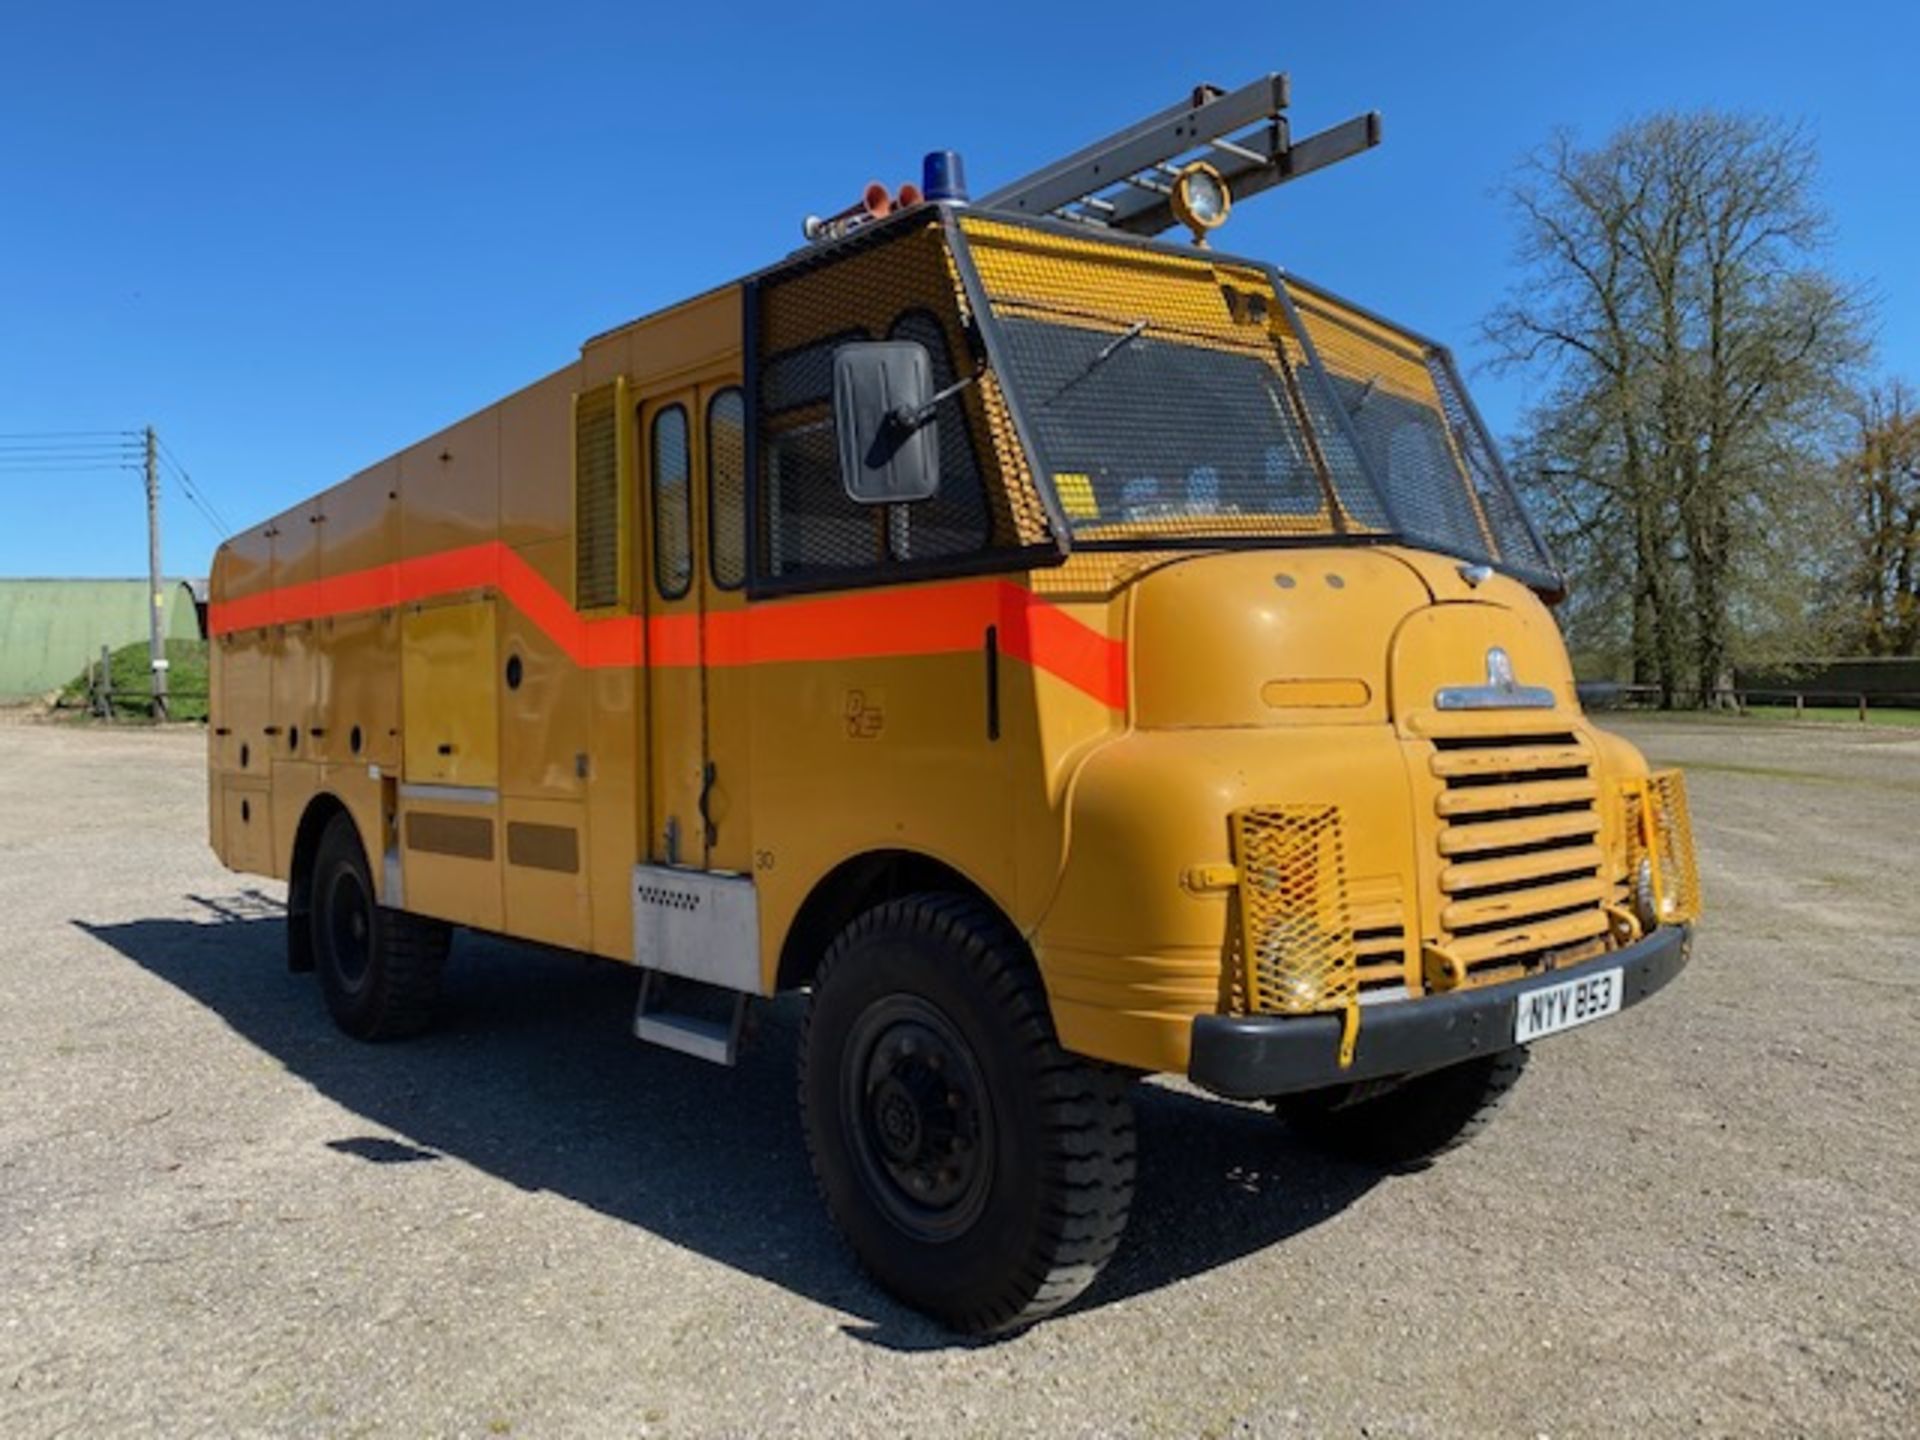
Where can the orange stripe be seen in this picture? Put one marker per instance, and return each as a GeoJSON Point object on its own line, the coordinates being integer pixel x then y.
{"type": "Point", "coordinates": [934, 619]}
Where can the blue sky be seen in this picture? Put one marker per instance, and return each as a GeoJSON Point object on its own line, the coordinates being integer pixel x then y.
{"type": "Point", "coordinates": [295, 238]}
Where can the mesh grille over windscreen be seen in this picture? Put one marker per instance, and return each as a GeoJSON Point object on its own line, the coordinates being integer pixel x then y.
{"type": "Point", "coordinates": [1155, 392]}
{"type": "Point", "coordinates": [1436, 467]}
{"type": "Point", "coordinates": [1171, 399]}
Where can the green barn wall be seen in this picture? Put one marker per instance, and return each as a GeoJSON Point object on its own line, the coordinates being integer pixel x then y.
{"type": "Point", "coordinates": [49, 629]}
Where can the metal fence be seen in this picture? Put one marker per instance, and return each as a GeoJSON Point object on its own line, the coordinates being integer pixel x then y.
{"type": "Point", "coordinates": [1607, 695]}
{"type": "Point", "coordinates": [110, 702]}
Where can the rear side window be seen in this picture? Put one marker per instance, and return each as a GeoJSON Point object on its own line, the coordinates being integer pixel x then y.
{"type": "Point", "coordinates": [727, 488]}
{"type": "Point", "coordinates": [671, 470]}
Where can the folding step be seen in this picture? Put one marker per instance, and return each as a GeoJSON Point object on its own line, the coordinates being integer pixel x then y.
{"type": "Point", "coordinates": [691, 1016]}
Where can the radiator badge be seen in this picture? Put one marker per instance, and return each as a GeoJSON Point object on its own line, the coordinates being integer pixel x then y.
{"type": "Point", "coordinates": [1501, 692]}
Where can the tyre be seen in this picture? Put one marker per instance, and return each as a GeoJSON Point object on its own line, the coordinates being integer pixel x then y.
{"type": "Point", "coordinates": [978, 1171]}
{"type": "Point", "coordinates": [379, 968]}
{"type": "Point", "coordinates": [1411, 1123]}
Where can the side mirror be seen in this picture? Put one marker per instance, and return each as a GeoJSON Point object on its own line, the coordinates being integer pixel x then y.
{"type": "Point", "coordinates": [883, 402]}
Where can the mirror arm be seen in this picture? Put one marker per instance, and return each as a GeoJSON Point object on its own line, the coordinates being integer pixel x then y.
{"type": "Point", "coordinates": [904, 421]}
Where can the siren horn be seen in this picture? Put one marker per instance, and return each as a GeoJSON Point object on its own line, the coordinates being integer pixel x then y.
{"type": "Point", "coordinates": [875, 203]}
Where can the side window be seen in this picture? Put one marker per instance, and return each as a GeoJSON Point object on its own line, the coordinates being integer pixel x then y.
{"type": "Point", "coordinates": [805, 531]}
{"type": "Point", "coordinates": [727, 488]}
{"type": "Point", "coordinates": [809, 523]}
{"type": "Point", "coordinates": [671, 473]}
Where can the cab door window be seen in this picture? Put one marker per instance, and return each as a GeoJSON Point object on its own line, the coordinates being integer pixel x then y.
{"type": "Point", "coordinates": [727, 488]}
{"type": "Point", "coordinates": [671, 469]}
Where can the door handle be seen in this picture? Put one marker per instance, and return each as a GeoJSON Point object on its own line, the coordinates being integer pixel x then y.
{"type": "Point", "coordinates": [707, 775]}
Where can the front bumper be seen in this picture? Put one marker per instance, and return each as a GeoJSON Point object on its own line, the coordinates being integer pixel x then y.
{"type": "Point", "coordinates": [1247, 1057]}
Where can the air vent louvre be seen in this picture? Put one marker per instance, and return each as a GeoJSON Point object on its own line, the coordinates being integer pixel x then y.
{"type": "Point", "coordinates": [596, 500]}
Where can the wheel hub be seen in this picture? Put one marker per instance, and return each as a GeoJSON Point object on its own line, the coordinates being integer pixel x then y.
{"type": "Point", "coordinates": [348, 932]}
{"type": "Point", "coordinates": [897, 1121]}
{"type": "Point", "coordinates": [921, 1125]}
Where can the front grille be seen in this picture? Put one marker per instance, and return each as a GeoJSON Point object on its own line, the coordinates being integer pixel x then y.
{"type": "Point", "coordinates": [1379, 938]}
{"type": "Point", "coordinates": [1522, 875]}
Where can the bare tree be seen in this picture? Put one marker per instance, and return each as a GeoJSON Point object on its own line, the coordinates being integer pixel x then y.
{"type": "Point", "coordinates": [1883, 479]}
{"type": "Point", "coordinates": [1694, 356]}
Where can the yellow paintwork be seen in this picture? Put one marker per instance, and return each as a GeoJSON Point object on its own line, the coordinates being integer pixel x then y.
{"type": "Point", "coordinates": [449, 709]}
{"type": "Point", "coordinates": [1257, 682]}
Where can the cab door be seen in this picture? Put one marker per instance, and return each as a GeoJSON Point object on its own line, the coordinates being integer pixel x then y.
{"type": "Point", "coordinates": [676, 710]}
{"type": "Point", "coordinates": [696, 717]}
{"type": "Point", "coordinates": [723, 576]}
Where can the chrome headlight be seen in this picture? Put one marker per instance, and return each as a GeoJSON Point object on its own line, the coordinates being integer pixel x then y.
{"type": "Point", "coordinates": [1643, 904]}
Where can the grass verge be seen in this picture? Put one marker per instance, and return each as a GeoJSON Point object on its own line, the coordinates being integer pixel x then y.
{"type": "Point", "coordinates": [133, 688]}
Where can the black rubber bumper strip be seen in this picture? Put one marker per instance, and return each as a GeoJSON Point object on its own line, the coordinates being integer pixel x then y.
{"type": "Point", "coordinates": [1247, 1057]}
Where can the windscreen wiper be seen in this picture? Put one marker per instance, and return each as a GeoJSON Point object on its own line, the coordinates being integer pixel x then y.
{"type": "Point", "coordinates": [1106, 353]}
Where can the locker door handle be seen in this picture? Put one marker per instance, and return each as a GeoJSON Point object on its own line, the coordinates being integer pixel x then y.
{"type": "Point", "coordinates": [707, 777]}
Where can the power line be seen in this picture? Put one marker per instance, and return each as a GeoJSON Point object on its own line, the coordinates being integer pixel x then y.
{"type": "Point", "coordinates": [219, 527]}
{"type": "Point", "coordinates": [35, 457]}
{"type": "Point", "coordinates": [201, 500]}
{"type": "Point", "coordinates": [58, 446]}
{"type": "Point", "coordinates": [24, 454]}
{"type": "Point", "coordinates": [30, 454]}
{"type": "Point", "coordinates": [130, 435]}
{"type": "Point", "coordinates": [70, 467]}
{"type": "Point", "coordinates": [193, 490]}
{"type": "Point", "coordinates": [57, 453]}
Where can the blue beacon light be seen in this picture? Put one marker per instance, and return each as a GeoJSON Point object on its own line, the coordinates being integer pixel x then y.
{"type": "Point", "coordinates": [943, 177]}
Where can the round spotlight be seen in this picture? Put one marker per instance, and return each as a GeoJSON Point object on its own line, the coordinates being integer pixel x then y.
{"type": "Point", "coordinates": [1201, 200]}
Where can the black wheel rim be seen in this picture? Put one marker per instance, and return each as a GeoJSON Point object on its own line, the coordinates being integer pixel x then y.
{"type": "Point", "coordinates": [915, 1108]}
{"type": "Point", "coordinates": [346, 927]}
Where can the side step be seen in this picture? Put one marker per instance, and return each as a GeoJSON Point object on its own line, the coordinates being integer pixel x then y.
{"type": "Point", "coordinates": [695, 1018]}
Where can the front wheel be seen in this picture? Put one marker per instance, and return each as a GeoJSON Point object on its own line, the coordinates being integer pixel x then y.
{"type": "Point", "coordinates": [1410, 1123]}
{"type": "Point", "coordinates": [979, 1172]}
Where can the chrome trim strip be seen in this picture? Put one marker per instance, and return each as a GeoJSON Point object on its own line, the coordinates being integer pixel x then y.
{"type": "Point", "coordinates": [451, 794]}
{"type": "Point", "coordinates": [1493, 697]}
{"type": "Point", "coordinates": [1501, 692]}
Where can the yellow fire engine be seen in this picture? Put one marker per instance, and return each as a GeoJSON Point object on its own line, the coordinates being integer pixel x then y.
{"type": "Point", "coordinates": [1066, 653]}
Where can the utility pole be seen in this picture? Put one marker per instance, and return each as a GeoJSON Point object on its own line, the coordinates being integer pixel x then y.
{"type": "Point", "coordinates": [156, 638]}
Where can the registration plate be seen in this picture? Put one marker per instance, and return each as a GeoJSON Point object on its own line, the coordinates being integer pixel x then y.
{"type": "Point", "coordinates": [1553, 1008]}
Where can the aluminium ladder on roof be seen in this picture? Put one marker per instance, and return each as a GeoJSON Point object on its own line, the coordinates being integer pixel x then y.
{"type": "Point", "coordinates": [1125, 182]}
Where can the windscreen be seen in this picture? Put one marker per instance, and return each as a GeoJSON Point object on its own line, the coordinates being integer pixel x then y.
{"type": "Point", "coordinates": [1208, 435]}
{"type": "Point", "coordinates": [1425, 448]}
{"type": "Point", "coordinates": [1173, 397]}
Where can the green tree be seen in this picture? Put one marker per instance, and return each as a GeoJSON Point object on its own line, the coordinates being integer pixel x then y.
{"type": "Point", "coordinates": [1693, 356]}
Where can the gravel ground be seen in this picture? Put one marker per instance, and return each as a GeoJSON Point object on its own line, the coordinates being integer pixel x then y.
{"type": "Point", "coordinates": [219, 1216]}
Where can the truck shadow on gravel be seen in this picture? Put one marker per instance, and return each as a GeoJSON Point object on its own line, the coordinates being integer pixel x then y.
{"type": "Point", "coordinates": [532, 1076]}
